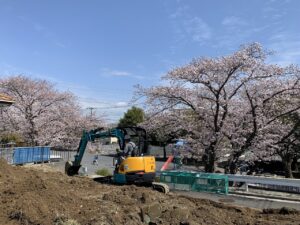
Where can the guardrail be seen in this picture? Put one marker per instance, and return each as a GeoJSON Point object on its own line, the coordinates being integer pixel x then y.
{"type": "Point", "coordinates": [57, 155]}
{"type": "Point", "coordinates": [7, 154]}
{"type": "Point", "coordinates": [279, 184]}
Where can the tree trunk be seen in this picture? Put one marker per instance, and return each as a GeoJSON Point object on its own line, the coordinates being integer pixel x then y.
{"type": "Point", "coordinates": [233, 162]}
{"type": "Point", "coordinates": [31, 130]}
{"type": "Point", "coordinates": [210, 167]}
{"type": "Point", "coordinates": [165, 152]}
{"type": "Point", "coordinates": [232, 166]}
{"type": "Point", "coordinates": [295, 164]}
{"type": "Point", "coordinates": [210, 162]}
{"type": "Point", "coordinates": [287, 162]}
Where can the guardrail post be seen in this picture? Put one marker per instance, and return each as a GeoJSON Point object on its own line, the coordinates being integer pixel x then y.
{"type": "Point", "coordinates": [246, 186]}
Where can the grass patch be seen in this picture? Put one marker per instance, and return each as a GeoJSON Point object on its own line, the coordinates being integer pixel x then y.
{"type": "Point", "coordinates": [103, 172]}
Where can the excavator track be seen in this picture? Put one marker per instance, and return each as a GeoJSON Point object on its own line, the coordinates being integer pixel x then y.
{"type": "Point", "coordinates": [104, 180]}
{"type": "Point", "coordinates": [161, 187]}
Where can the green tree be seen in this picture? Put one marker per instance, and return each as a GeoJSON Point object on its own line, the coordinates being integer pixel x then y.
{"type": "Point", "coordinates": [132, 117]}
{"type": "Point", "coordinates": [6, 138]}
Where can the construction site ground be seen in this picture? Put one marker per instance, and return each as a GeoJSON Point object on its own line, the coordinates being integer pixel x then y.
{"type": "Point", "coordinates": [254, 198]}
{"type": "Point", "coordinates": [247, 198]}
{"type": "Point", "coordinates": [42, 195]}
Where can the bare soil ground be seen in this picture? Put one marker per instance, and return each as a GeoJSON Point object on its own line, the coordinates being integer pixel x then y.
{"type": "Point", "coordinates": [34, 197]}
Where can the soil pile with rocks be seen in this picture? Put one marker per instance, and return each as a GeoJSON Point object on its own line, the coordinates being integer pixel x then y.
{"type": "Point", "coordinates": [32, 197]}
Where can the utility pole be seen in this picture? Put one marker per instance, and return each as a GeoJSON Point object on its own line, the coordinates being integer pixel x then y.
{"type": "Point", "coordinates": [91, 110]}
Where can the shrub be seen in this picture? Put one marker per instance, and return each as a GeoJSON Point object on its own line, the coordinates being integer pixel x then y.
{"type": "Point", "coordinates": [103, 172]}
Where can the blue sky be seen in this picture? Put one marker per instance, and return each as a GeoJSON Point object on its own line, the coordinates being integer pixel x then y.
{"type": "Point", "coordinates": [100, 49]}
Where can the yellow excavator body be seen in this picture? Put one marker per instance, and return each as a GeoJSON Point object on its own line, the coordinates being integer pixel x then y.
{"type": "Point", "coordinates": [144, 164]}
{"type": "Point", "coordinates": [138, 169]}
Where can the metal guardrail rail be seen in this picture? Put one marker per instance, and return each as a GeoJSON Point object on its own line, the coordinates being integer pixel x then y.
{"type": "Point", "coordinates": [280, 184]}
{"type": "Point", "coordinates": [7, 154]}
{"type": "Point", "coordinates": [57, 155]}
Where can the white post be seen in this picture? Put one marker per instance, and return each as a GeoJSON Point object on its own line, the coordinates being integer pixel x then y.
{"type": "Point", "coordinates": [246, 186]}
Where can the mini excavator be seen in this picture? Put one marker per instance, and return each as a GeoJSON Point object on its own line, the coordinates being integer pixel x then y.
{"type": "Point", "coordinates": [139, 169]}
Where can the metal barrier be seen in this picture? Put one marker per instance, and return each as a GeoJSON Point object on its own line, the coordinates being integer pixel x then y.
{"type": "Point", "coordinates": [23, 155]}
{"type": "Point", "coordinates": [7, 154]}
{"type": "Point", "coordinates": [192, 181]}
{"type": "Point", "coordinates": [278, 184]}
{"type": "Point", "coordinates": [67, 155]}
{"type": "Point", "coordinates": [58, 155]}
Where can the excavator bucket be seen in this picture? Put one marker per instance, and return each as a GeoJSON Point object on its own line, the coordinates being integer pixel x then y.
{"type": "Point", "coordinates": [70, 169]}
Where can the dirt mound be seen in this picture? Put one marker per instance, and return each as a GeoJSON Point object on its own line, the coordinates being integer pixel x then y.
{"type": "Point", "coordinates": [32, 197]}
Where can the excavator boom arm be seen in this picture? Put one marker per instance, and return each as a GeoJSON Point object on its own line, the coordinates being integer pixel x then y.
{"type": "Point", "coordinates": [73, 167]}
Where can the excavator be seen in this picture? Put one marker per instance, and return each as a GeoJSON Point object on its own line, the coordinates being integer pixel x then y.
{"type": "Point", "coordinates": [139, 169]}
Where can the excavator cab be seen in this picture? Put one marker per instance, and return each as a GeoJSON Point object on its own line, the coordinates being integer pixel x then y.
{"type": "Point", "coordinates": [137, 169]}
{"type": "Point", "coordinates": [138, 135]}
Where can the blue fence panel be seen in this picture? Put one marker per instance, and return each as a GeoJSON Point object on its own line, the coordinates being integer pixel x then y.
{"type": "Point", "coordinates": [24, 155]}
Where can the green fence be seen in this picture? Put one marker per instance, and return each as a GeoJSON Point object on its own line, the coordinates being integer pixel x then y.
{"type": "Point", "coordinates": [192, 181]}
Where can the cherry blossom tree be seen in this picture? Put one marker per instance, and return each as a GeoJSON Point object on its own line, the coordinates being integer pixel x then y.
{"type": "Point", "coordinates": [266, 100]}
{"type": "Point", "coordinates": [225, 108]}
{"type": "Point", "coordinates": [279, 123]}
{"type": "Point", "coordinates": [41, 114]}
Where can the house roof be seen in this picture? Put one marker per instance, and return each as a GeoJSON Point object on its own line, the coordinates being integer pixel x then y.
{"type": "Point", "coordinates": [6, 100]}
